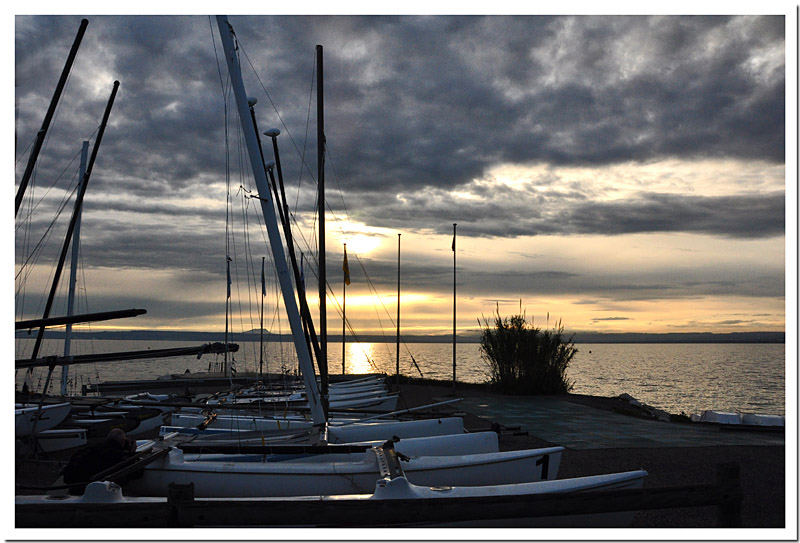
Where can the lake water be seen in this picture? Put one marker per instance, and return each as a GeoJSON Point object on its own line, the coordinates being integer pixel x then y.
{"type": "Point", "coordinates": [685, 378]}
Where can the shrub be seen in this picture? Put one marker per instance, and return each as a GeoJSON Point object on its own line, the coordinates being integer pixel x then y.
{"type": "Point", "coordinates": [523, 359]}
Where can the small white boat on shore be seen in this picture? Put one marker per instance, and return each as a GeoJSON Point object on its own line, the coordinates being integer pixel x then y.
{"type": "Point", "coordinates": [732, 418]}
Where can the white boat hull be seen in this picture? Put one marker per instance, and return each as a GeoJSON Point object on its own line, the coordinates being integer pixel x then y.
{"type": "Point", "coordinates": [149, 424]}
{"type": "Point", "coordinates": [99, 495]}
{"type": "Point", "coordinates": [247, 479]}
{"type": "Point", "coordinates": [369, 431]}
{"type": "Point", "coordinates": [61, 439]}
{"type": "Point", "coordinates": [50, 416]}
{"type": "Point", "coordinates": [343, 433]}
{"type": "Point", "coordinates": [451, 445]}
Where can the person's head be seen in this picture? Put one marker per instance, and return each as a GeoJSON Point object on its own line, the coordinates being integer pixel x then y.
{"type": "Point", "coordinates": [117, 437]}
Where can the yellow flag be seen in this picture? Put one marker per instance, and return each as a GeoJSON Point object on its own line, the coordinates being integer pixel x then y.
{"type": "Point", "coordinates": [346, 268]}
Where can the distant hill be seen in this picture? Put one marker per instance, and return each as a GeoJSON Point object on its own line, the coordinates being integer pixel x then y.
{"type": "Point", "coordinates": [580, 337]}
{"type": "Point", "coordinates": [682, 337]}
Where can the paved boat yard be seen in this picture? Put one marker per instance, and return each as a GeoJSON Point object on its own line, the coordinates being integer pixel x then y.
{"type": "Point", "coordinates": [600, 440]}
{"type": "Point", "coordinates": [577, 426]}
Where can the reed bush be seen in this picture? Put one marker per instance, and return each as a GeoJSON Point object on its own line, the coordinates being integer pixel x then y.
{"type": "Point", "coordinates": [523, 359]}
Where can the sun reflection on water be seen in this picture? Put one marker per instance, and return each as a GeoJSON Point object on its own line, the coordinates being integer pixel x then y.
{"type": "Point", "coordinates": [358, 358]}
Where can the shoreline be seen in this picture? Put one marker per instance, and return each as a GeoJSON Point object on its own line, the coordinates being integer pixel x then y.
{"type": "Point", "coordinates": [579, 338]}
{"type": "Point", "coordinates": [608, 403]}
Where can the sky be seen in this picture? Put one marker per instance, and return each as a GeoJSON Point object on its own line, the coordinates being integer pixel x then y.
{"type": "Point", "coordinates": [613, 173]}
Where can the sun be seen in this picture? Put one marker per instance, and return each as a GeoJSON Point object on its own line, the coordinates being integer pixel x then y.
{"type": "Point", "coordinates": [361, 243]}
{"type": "Point", "coordinates": [360, 238]}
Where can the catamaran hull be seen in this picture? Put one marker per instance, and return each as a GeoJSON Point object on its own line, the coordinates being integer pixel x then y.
{"type": "Point", "coordinates": [387, 430]}
{"type": "Point", "coordinates": [452, 445]}
{"type": "Point", "coordinates": [247, 479]}
{"type": "Point", "coordinates": [395, 502]}
{"type": "Point", "coordinates": [346, 433]}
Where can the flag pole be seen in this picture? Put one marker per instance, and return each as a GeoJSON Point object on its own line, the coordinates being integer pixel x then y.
{"type": "Point", "coordinates": [345, 282]}
{"type": "Point", "coordinates": [323, 283]}
{"type": "Point", "coordinates": [261, 327]}
{"type": "Point", "coordinates": [454, 308]}
{"type": "Point", "coordinates": [227, 305]}
{"type": "Point", "coordinates": [397, 353]}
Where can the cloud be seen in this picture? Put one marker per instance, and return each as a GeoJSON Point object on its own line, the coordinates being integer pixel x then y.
{"type": "Point", "coordinates": [730, 216]}
{"type": "Point", "coordinates": [506, 212]}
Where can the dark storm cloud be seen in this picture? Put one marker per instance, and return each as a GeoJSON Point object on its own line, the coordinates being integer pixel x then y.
{"type": "Point", "coordinates": [426, 101]}
{"type": "Point", "coordinates": [620, 287]}
{"type": "Point", "coordinates": [527, 213]}
{"type": "Point", "coordinates": [733, 216]}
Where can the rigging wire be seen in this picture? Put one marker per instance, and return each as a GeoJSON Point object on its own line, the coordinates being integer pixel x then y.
{"type": "Point", "coordinates": [27, 219]}
{"type": "Point", "coordinates": [249, 263]}
{"type": "Point", "coordinates": [304, 164]}
{"type": "Point", "coordinates": [311, 247]}
{"type": "Point", "coordinates": [361, 264]}
{"type": "Point", "coordinates": [231, 237]}
{"type": "Point", "coordinates": [231, 247]}
{"type": "Point", "coordinates": [274, 290]}
{"type": "Point", "coordinates": [33, 207]}
{"type": "Point", "coordinates": [33, 255]}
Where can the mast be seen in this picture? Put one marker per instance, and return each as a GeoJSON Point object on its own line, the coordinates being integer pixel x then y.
{"type": "Point", "coordinates": [397, 353]}
{"type": "Point", "coordinates": [74, 319]}
{"type": "Point", "coordinates": [345, 282]}
{"type": "Point", "coordinates": [323, 292]}
{"type": "Point", "coordinates": [227, 306]}
{"type": "Point", "coordinates": [305, 313]}
{"type": "Point", "coordinates": [454, 308]}
{"type": "Point", "coordinates": [73, 276]}
{"type": "Point", "coordinates": [37, 146]}
{"type": "Point", "coordinates": [284, 279]}
{"type": "Point", "coordinates": [283, 215]}
{"type": "Point", "coordinates": [261, 325]}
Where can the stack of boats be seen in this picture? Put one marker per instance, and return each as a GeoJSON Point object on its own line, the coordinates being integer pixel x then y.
{"type": "Point", "coordinates": [234, 448]}
{"type": "Point", "coordinates": [43, 421]}
{"type": "Point", "coordinates": [63, 425]}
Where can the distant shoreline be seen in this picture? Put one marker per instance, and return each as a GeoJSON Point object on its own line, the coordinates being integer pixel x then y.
{"type": "Point", "coordinates": [580, 337]}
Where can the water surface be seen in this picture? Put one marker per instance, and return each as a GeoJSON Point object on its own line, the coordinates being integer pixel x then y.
{"type": "Point", "coordinates": [676, 377]}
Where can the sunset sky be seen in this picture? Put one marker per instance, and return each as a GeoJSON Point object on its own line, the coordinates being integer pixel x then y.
{"type": "Point", "coordinates": [622, 174]}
